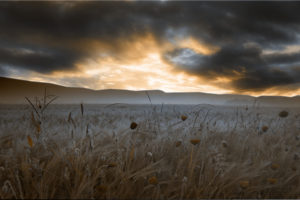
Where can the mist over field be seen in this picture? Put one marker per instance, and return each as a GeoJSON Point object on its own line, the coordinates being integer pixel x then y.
{"type": "Point", "coordinates": [14, 92]}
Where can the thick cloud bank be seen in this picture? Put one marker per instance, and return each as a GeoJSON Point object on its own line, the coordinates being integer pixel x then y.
{"type": "Point", "coordinates": [253, 38]}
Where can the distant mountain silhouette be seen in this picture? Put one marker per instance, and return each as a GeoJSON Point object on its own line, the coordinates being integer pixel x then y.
{"type": "Point", "coordinates": [14, 91]}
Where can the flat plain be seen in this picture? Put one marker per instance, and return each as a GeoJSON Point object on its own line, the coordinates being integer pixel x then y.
{"type": "Point", "coordinates": [149, 151]}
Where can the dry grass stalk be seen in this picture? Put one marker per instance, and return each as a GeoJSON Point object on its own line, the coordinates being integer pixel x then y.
{"type": "Point", "coordinates": [131, 154]}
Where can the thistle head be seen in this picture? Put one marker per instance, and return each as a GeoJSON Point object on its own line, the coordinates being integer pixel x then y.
{"type": "Point", "coordinates": [183, 117]}
{"type": "Point", "coordinates": [195, 141]}
{"type": "Point", "coordinates": [283, 114]}
{"type": "Point", "coordinates": [133, 125]}
{"type": "Point", "coordinates": [153, 180]}
{"type": "Point", "coordinates": [244, 184]}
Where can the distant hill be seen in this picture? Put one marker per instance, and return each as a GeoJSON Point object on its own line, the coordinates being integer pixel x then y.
{"type": "Point", "coordinates": [13, 91]}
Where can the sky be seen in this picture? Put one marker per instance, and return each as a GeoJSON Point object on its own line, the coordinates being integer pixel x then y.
{"type": "Point", "coordinates": [235, 47]}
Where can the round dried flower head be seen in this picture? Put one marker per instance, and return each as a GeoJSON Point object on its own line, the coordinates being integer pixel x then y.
{"type": "Point", "coordinates": [133, 125]}
{"type": "Point", "coordinates": [272, 180]}
{"type": "Point", "coordinates": [183, 117]}
{"type": "Point", "coordinates": [153, 180]}
{"type": "Point", "coordinates": [224, 144]}
{"type": "Point", "coordinates": [101, 188]}
{"type": "Point", "coordinates": [195, 141]}
{"type": "Point", "coordinates": [264, 128]}
{"type": "Point", "coordinates": [244, 184]}
{"type": "Point", "coordinates": [274, 166]}
{"type": "Point", "coordinates": [283, 114]}
{"type": "Point", "coordinates": [110, 165]}
{"type": "Point", "coordinates": [286, 148]}
{"type": "Point", "coordinates": [178, 143]}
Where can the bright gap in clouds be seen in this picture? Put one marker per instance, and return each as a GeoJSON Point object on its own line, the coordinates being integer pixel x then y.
{"type": "Point", "coordinates": [148, 73]}
{"type": "Point", "coordinates": [139, 67]}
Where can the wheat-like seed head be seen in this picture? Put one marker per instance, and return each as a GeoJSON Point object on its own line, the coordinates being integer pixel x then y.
{"type": "Point", "coordinates": [30, 142]}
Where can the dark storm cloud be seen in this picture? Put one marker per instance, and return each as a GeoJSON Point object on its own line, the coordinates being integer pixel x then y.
{"type": "Point", "coordinates": [38, 59]}
{"type": "Point", "coordinates": [2, 71]}
{"type": "Point", "coordinates": [47, 36]}
{"type": "Point", "coordinates": [248, 68]}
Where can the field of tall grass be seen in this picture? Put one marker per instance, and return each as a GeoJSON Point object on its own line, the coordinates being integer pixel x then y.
{"type": "Point", "coordinates": [149, 151]}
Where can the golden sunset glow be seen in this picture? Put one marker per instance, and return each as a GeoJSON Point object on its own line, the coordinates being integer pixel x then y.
{"type": "Point", "coordinates": [140, 67]}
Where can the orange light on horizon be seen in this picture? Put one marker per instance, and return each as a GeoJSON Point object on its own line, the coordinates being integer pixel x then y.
{"type": "Point", "coordinates": [139, 66]}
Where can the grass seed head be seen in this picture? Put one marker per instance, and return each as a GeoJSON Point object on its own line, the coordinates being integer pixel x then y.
{"type": "Point", "coordinates": [244, 184]}
{"type": "Point", "coordinates": [153, 180]}
{"type": "Point", "coordinates": [132, 153]}
{"type": "Point", "coordinates": [195, 141]}
{"type": "Point", "coordinates": [183, 117]}
{"type": "Point", "coordinates": [283, 114]}
{"type": "Point", "coordinates": [133, 125]}
{"type": "Point", "coordinates": [149, 154]}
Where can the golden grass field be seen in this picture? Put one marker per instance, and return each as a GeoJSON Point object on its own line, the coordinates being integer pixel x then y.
{"type": "Point", "coordinates": [169, 152]}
